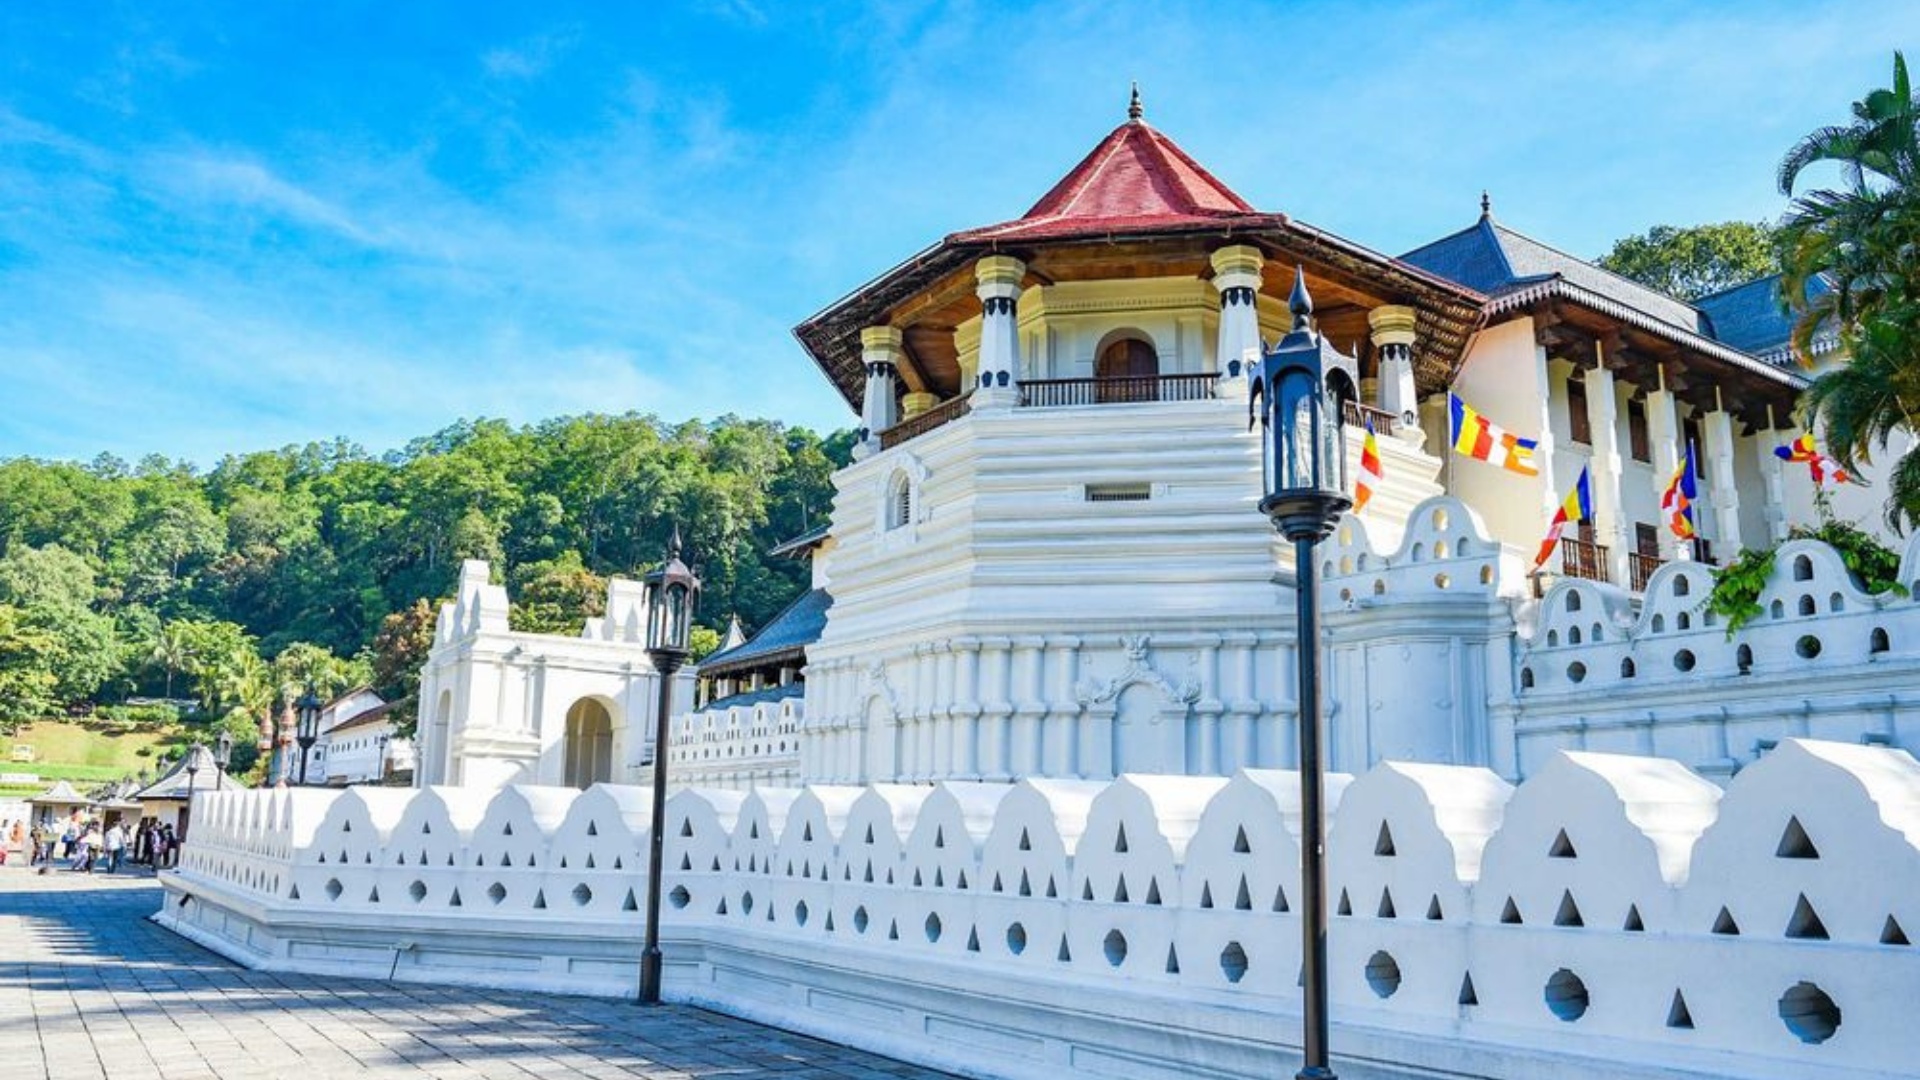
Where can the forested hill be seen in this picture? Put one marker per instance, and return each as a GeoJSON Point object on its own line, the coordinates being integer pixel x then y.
{"type": "Point", "coordinates": [318, 545]}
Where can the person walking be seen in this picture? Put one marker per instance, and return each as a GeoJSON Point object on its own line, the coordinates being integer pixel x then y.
{"type": "Point", "coordinates": [115, 842]}
{"type": "Point", "coordinates": [68, 836]}
{"type": "Point", "coordinates": [82, 851]}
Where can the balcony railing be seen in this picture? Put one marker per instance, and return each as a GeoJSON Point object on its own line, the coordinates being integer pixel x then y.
{"type": "Point", "coordinates": [1113, 390]}
{"type": "Point", "coordinates": [948, 410]}
{"type": "Point", "coordinates": [1384, 422]}
{"type": "Point", "coordinates": [1640, 569]}
{"type": "Point", "coordinates": [1583, 560]}
{"type": "Point", "coordinates": [1117, 390]}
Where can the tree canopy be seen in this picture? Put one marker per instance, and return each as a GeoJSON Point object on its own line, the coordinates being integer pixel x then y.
{"type": "Point", "coordinates": [1860, 239]}
{"type": "Point", "coordinates": [1692, 261]}
{"type": "Point", "coordinates": [324, 562]}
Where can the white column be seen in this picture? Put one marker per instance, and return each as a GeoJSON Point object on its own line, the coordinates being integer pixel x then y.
{"type": "Point", "coordinates": [1392, 327]}
{"type": "Point", "coordinates": [1028, 707]}
{"type": "Point", "coordinates": [1717, 432]}
{"type": "Point", "coordinates": [967, 695]}
{"type": "Point", "coordinates": [999, 291]}
{"type": "Point", "coordinates": [1550, 493]}
{"type": "Point", "coordinates": [880, 350]}
{"type": "Point", "coordinates": [1663, 430]}
{"type": "Point", "coordinates": [1775, 492]}
{"type": "Point", "coordinates": [1610, 525]}
{"type": "Point", "coordinates": [1236, 273]}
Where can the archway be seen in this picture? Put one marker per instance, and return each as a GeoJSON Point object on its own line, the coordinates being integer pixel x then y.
{"type": "Point", "coordinates": [589, 744]}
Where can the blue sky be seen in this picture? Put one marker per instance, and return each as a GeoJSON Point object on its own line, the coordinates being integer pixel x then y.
{"type": "Point", "coordinates": [233, 226]}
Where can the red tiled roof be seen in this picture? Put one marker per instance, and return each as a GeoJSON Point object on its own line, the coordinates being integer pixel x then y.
{"type": "Point", "coordinates": [1136, 180]}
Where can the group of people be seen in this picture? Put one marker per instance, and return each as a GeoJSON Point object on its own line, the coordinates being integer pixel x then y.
{"type": "Point", "coordinates": [87, 844]}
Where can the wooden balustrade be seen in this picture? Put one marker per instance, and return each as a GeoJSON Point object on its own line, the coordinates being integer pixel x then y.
{"type": "Point", "coordinates": [1581, 559]}
{"type": "Point", "coordinates": [943, 413]}
{"type": "Point", "coordinates": [1640, 569]}
{"type": "Point", "coordinates": [1117, 390]}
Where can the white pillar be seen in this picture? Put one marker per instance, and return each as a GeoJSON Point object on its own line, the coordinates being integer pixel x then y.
{"type": "Point", "coordinates": [999, 290]}
{"type": "Point", "coordinates": [1550, 493]}
{"type": "Point", "coordinates": [1392, 326]}
{"type": "Point", "coordinates": [1775, 492]}
{"type": "Point", "coordinates": [1236, 273]}
{"type": "Point", "coordinates": [1663, 430]}
{"type": "Point", "coordinates": [1717, 432]}
{"type": "Point", "coordinates": [1610, 525]}
{"type": "Point", "coordinates": [880, 350]}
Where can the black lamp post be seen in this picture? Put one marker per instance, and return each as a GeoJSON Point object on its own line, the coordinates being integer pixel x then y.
{"type": "Point", "coordinates": [307, 716]}
{"type": "Point", "coordinates": [193, 769]}
{"type": "Point", "coordinates": [222, 754]}
{"type": "Point", "coordinates": [1305, 457]}
{"type": "Point", "coordinates": [672, 593]}
{"type": "Point", "coordinates": [272, 773]}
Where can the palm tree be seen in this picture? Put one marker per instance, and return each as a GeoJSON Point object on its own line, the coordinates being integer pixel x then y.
{"type": "Point", "coordinates": [1860, 242]}
{"type": "Point", "coordinates": [173, 651]}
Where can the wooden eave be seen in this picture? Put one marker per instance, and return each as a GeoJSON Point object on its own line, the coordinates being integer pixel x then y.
{"type": "Point", "coordinates": [1586, 328]}
{"type": "Point", "coordinates": [932, 293]}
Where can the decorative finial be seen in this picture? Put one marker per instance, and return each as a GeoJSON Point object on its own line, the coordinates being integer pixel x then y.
{"type": "Point", "coordinates": [1301, 302]}
{"type": "Point", "coordinates": [1134, 109]}
{"type": "Point", "coordinates": [1486, 204]}
{"type": "Point", "coordinates": [673, 544]}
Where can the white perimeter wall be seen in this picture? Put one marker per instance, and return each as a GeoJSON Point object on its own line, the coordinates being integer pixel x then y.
{"type": "Point", "coordinates": [1614, 916]}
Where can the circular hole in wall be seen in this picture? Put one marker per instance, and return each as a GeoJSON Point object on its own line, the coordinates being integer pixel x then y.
{"type": "Point", "coordinates": [933, 927]}
{"type": "Point", "coordinates": [1809, 1013]}
{"type": "Point", "coordinates": [1233, 962]}
{"type": "Point", "coordinates": [860, 919]}
{"type": "Point", "coordinates": [1576, 672]}
{"type": "Point", "coordinates": [1115, 946]}
{"type": "Point", "coordinates": [417, 890]}
{"type": "Point", "coordinates": [1383, 974]}
{"type": "Point", "coordinates": [746, 903]}
{"type": "Point", "coordinates": [1016, 939]}
{"type": "Point", "coordinates": [1683, 660]}
{"type": "Point", "coordinates": [496, 892]}
{"type": "Point", "coordinates": [1567, 995]}
{"type": "Point", "coordinates": [1807, 647]}
{"type": "Point", "coordinates": [582, 895]}
{"type": "Point", "coordinates": [679, 897]}
{"type": "Point", "coordinates": [333, 889]}
{"type": "Point", "coordinates": [800, 913]}
{"type": "Point", "coordinates": [1442, 581]}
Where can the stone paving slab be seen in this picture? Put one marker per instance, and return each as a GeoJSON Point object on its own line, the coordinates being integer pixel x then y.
{"type": "Point", "coordinates": [90, 990]}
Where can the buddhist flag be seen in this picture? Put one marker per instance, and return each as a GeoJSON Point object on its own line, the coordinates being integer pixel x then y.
{"type": "Point", "coordinates": [1819, 466]}
{"type": "Point", "coordinates": [1477, 437]}
{"type": "Point", "coordinates": [1577, 507]}
{"type": "Point", "coordinates": [1370, 476]}
{"type": "Point", "coordinates": [1676, 503]}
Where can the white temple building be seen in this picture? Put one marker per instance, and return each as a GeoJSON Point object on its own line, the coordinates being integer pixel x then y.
{"type": "Point", "coordinates": [1006, 790]}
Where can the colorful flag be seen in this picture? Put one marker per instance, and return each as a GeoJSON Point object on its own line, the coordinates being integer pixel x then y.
{"type": "Point", "coordinates": [1677, 501]}
{"type": "Point", "coordinates": [1370, 476]}
{"type": "Point", "coordinates": [1819, 466]}
{"type": "Point", "coordinates": [1477, 437]}
{"type": "Point", "coordinates": [1577, 507]}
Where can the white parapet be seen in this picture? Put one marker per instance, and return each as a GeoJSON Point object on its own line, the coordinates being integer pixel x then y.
{"type": "Point", "coordinates": [1613, 916]}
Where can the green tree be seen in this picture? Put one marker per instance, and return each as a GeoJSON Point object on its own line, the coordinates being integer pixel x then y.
{"type": "Point", "coordinates": [557, 595]}
{"type": "Point", "coordinates": [28, 656]}
{"type": "Point", "coordinates": [399, 651]}
{"type": "Point", "coordinates": [1693, 261]}
{"type": "Point", "coordinates": [1861, 241]}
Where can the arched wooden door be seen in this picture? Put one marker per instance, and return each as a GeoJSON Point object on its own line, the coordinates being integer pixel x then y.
{"type": "Point", "coordinates": [1126, 370]}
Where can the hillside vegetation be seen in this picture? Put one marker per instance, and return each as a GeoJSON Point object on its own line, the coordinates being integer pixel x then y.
{"type": "Point", "coordinates": [323, 564]}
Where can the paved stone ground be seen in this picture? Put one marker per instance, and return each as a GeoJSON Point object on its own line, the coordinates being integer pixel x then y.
{"type": "Point", "coordinates": [90, 990]}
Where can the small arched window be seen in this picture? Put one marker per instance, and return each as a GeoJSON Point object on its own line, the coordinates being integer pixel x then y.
{"type": "Point", "coordinates": [899, 501]}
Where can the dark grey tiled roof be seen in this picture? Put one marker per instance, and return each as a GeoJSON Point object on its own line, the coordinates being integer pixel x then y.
{"type": "Point", "coordinates": [1754, 316]}
{"type": "Point", "coordinates": [1492, 258]}
{"type": "Point", "coordinates": [801, 544]}
{"type": "Point", "coordinates": [795, 628]}
{"type": "Point", "coordinates": [174, 783]}
{"type": "Point", "coordinates": [756, 697]}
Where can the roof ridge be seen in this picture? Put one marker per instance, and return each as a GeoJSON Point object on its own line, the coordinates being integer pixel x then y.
{"type": "Point", "coordinates": [1748, 284]}
{"type": "Point", "coordinates": [1590, 262]}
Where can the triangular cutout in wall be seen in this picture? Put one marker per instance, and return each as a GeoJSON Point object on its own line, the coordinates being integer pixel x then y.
{"type": "Point", "coordinates": [1634, 923]}
{"type": "Point", "coordinates": [1892, 933]}
{"type": "Point", "coordinates": [1723, 924]}
{"type": "Point", "coordinates": [1346, 905]}
{"type": "Point", "coordinates": [1677, 1014]}
{"type": "Point", "coordinates": [1434, 914]}
{"type": "Point", "coordinates": [1240, 845]}
{"type": "Point", "coordinates": [1383, 844]}
{"type": "Point", "coordinates": [1805, 922]}
{"type": "Point", "coordinates": [1795, 843]}
{"type": "Point", "coordinates": [1467, 994]}
{"type": "Point", "coordinates": [1569, 912]}
{"type": "Point", "coordinates": [1562, 847]}
{"type": "Point", "coordinates": [1386, 911]}
{"type": "Point", "coordinates": [1510, 914]}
